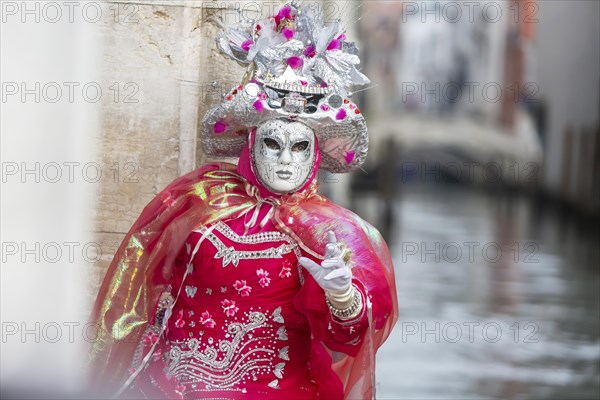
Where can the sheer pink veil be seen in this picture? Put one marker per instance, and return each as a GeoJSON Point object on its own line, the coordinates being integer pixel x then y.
{"type": "Point", "coordinates": [144, 263]}
{"type": "Point", "coordinates": [313, 216]}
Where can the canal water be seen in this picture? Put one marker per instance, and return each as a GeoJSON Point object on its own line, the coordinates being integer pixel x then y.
{"type": "Point", "coordinates": [498, 299]}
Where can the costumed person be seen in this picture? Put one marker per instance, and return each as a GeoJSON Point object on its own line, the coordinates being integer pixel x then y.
{"type": "Point", "coordinates": [243, 282]}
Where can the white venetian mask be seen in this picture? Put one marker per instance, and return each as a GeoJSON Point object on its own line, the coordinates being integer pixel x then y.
{"type": "Point", "coordinates": [283, 154]}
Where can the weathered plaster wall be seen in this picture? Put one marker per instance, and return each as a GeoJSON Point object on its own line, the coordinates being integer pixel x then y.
{"type": "Point", "coordinates": [163, 59]}
{"type": "Point", "coordinates": [165, 52]}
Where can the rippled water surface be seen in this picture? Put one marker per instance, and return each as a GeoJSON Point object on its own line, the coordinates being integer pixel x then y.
{"type": "Point", "coordinates": [498, 297]}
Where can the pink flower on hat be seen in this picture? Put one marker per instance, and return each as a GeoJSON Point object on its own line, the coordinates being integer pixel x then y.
{"type": "Point", "coordinates": [247, 44]}
{"type": "Point", "coordinates": [341, 114]}
{"type": "Point", "coordinates": [349, 156]}
{"type": "Point", "coordinates": [336, 44]}
{"type": "Point", "coordinates": [220, 126]}
{"type": "Point", "coordinates": [284, 13]}
{"type": "Point", "coordinates": [259, 106]}
{"type": "Point", "coordinates": [295, 62]}
{"type": "Point", "coordinates": [310, 51]}
{"type": "Point", "coordinates": [288, 33]}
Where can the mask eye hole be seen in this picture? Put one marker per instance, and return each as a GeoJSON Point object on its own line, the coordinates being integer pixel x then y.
{"type": "Point", "coordinates": [272, 144]}
{"type": "Point", "coordinates": [300, 146]}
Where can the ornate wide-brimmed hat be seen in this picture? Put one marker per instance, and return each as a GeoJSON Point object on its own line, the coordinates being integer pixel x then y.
{"type": "Point", "coordinates": [299, 69]}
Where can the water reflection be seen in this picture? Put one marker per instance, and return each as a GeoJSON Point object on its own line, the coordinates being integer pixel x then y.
{"type": "Point", "coordinates": [498, 299]}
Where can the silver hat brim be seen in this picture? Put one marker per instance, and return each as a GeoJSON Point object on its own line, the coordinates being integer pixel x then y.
{"type": "Point", "coordinates": [343, 142]}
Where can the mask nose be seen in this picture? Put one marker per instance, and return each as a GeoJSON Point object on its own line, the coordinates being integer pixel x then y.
{"type": "Point", "coordinates": [285, 157]}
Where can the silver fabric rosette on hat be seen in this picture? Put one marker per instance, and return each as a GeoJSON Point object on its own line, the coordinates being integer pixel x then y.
{"type": "Point", "coordinates": [299, 69]}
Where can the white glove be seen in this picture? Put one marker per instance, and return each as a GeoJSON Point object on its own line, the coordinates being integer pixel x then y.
{"type": "Point", "coordinates": [333, 275]}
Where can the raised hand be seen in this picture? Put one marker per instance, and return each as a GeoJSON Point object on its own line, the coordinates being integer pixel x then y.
{"type": "Point", "coordinates": [333, 275]}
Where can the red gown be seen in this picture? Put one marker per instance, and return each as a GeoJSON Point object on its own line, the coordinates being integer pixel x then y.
{"type": "Point", "coordinates": [235, 332]}
{"type": "Point", "coordinates": [213, 348]}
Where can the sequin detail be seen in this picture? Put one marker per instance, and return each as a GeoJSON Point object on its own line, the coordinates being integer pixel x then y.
{"type": "Point", "coordinates": [277, 315]}
{"type": "Point", "coordinates": [281, 333]}
{"type": "Point", "coordinates": [257, 238]}
{"type": "Point", "coordinates": [226, 364]}
{"type": "Point", "coordinates": [283, 353]}
{"type": "Point", "coordinates": [232, 256]}
{"type": "Point", "coordinates": [191, 291]}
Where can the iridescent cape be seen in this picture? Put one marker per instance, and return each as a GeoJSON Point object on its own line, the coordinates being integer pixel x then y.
{"type": "Point", "coordinates": [145, 259]}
